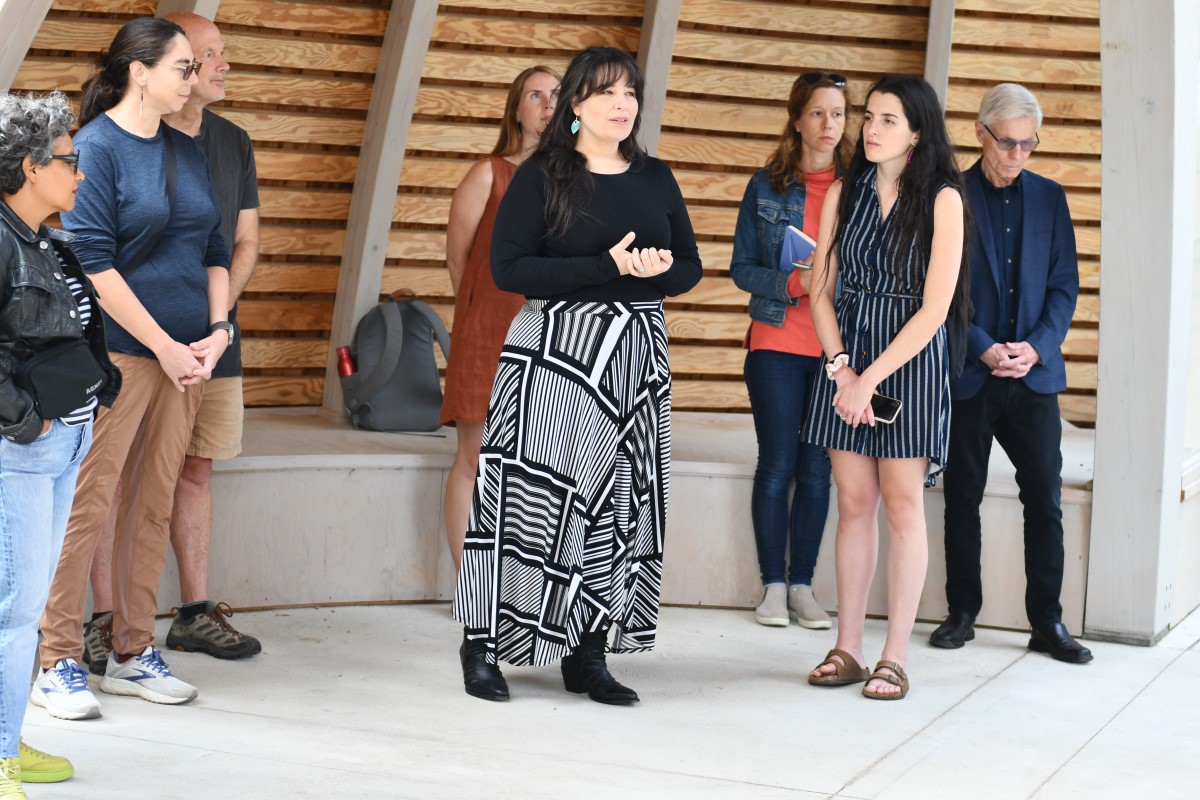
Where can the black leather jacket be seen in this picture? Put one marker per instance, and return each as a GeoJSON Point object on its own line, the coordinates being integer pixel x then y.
{"type": "Point", "coordinates": [37, 310]}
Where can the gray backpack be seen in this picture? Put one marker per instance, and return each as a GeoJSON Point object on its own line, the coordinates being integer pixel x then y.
{"type": "Point", "coordinates": [396, 386]}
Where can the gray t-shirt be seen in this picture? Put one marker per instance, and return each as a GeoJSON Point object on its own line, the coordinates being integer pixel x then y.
{"type": "Point", "coordinates": [235, 183]}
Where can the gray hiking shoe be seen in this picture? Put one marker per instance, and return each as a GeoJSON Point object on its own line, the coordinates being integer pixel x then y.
{"type": "Point", "coordinates": [210, 632]}
{"type": "Point", "coordinates": [97, 643]}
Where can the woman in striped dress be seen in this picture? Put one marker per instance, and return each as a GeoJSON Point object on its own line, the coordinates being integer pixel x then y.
{"type": "Point", "coordinates": [893, 231]}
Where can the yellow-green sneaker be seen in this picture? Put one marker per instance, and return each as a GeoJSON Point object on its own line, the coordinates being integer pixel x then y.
{"type": "Point", "coordinates": [39, 767]}
{"type": "Point", "coordinates": [10, 780]}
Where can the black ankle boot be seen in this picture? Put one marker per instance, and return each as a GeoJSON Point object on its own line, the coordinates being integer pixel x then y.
{"type": "Point", "coordinates": [585, 671]}
{"type": "Point", "coordinates": [481, 679]}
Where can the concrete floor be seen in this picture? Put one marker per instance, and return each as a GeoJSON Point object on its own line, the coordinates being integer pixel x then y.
{"type": "Point", "coordinates": [366, 702]}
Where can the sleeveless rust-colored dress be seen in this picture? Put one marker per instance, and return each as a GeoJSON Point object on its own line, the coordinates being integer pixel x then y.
{"type": "Point", "coordinates": [482, 315]}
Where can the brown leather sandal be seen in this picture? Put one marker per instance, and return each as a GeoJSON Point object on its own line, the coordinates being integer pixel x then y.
{"type": "Point", "coordinates": [895, 675]}
{"type": "Point", "coordinates": [847, 671]}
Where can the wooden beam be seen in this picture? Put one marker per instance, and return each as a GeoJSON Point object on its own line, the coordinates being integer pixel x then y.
{"type": "Point", "coordinates": [937, 46]}
{"type": "Point", "coordinates": [405, 43]}
{"type": "Point", "coordinates": [205, 8]}
{"type": "Point", "coordinates": [21, 18]}
{"type": "Point", "coordinates": [654, 55]}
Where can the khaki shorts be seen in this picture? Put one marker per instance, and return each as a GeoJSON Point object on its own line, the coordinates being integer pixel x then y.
{"type": "Point", "coordinates": [217, 433]}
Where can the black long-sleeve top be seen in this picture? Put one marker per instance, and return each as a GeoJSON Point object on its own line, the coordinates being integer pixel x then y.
{"type": "Point", "coordinates": [577, 266]}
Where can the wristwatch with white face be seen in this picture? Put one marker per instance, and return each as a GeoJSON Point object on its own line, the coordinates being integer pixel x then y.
{"type": "Point", "coordinates": [222, 326]}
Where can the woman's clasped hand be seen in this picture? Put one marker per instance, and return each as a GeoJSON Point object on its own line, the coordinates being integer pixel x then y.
{"type": "Point", "coordinates": [852, 400]}
{"type": "Point", "coordinates": [643, 262]}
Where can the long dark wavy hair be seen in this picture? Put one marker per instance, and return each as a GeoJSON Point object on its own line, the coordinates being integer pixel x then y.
{"type": "Point", "coordinates": [781, 166]}
{"type": "Point", "coordinates": [509, 142]}
{"type": "Point", "coordinates": [569, 183]}
{"type": "Point", "coordinates": [931, 167]}
{"type": "Point", "coordinates": [145, 39]}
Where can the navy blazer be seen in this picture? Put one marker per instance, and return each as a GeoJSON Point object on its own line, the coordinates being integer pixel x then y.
{"type": "Point", "coordinates": [1047, 284]}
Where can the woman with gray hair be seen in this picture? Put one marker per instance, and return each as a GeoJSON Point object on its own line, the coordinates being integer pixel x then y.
{"type": "Point", "coordinates": [54, 372]}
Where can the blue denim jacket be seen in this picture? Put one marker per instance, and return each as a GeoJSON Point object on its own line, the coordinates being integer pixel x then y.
{"type": "Point", "coordinates": [757, 241]}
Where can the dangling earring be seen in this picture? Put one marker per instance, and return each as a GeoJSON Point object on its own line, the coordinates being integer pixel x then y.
{"type": "Point", "coordinates": [575, 125]}
{"type": "Point", "coordinates": [911, 149]}
{"type": "Point", "coordinates": [141, 102]}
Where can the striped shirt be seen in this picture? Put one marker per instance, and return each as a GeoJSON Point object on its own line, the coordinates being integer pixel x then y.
{"type": "Point", "coordinates": [87, 412]}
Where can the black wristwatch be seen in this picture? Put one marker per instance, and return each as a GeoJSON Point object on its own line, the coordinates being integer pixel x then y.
{"type": "Point", "coordinates": [222, 326]}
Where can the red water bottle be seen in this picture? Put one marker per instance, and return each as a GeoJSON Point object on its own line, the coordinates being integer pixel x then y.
{"type": "Point", "coordinates": [346, 365]}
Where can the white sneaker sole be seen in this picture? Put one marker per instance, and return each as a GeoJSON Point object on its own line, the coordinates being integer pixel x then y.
{"type": "Point", "coordinates": [772, 622]}
{"type": "Point", "coordinates": [38, 698]}
{"type": "Point", "coordinates": [133, 689]}
{"type": "Point", "coordinates": [814, 624]}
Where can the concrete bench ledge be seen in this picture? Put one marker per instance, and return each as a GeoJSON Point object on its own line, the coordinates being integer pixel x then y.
{"type": "Point", "coordinates": [314, 511]}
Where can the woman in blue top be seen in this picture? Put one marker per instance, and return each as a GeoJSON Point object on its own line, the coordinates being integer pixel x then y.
{"type": "Point", "coordinates": [784, 356]}
{"type": "Point", "coordinates": [892, 230]}
{"type": "Point", "coordinates": [148, 233]}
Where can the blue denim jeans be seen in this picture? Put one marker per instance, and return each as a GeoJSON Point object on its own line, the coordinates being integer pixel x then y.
{"type": "Point", "coordinates": [780, 386]}
{"type": "Point", "coordinates": [37, 485]}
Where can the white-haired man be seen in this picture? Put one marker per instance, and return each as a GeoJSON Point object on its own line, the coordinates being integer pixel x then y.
{"type": "Point", "coordinates": [1024, 282]}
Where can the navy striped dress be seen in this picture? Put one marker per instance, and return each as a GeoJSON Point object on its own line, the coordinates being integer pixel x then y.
{"type": "Point", "coordinates": [874, 305]}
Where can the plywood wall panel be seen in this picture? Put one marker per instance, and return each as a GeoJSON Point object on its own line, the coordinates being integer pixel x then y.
{"type": "Point", "coordinates": [301, 85]}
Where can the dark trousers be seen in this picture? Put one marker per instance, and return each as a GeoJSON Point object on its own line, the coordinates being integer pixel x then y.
{"type": "Point", "coordinates": [780, 387]}
{"type": "Point", "coordinates": [1027, 425]}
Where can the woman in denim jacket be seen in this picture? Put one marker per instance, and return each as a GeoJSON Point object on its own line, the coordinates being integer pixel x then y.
{"type": "Point", "coordinates": [784, 356]}
{"type": "Point", "coordinates": [45, 300]}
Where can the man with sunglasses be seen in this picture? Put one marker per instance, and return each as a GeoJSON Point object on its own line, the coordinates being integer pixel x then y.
{"type": "Point", "coordinates": [1024, 282]}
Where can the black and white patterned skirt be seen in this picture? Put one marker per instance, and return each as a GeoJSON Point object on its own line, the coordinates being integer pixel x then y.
{"type": "Point", "coordinates": [569, 510]}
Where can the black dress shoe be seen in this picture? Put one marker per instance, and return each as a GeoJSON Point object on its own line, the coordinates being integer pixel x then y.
{"type": "Point", "coordinates": [585, 670]}
{"type": "Point", "coordinates": [1055, 640]}
{"type": "Point", "coordinates": [481, 679]}
{"type": "Point", "coordinates": [958, 628]}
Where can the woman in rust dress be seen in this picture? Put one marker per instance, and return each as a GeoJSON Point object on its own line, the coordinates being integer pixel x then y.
{"type": "Point", "coordinates": [482, 313]}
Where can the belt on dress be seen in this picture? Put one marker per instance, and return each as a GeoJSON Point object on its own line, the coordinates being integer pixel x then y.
{"type": "Point", "coordinates": [872, 293]}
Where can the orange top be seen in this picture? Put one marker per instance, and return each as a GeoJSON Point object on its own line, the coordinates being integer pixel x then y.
{"type": "Point", "coordinates": [482, 315]}
{"type": "Point", "coordinates": [797, 335]}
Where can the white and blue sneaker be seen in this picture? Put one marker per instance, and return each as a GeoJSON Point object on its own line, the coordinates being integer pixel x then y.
{"type": "Point", "coordinates": [146, 676]}
{"type": "Point", "coordinates": [63, 691]}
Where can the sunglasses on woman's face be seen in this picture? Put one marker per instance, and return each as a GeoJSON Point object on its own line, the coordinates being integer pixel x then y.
{"type": "Point", "coordinates": [816, 77]}
{"type": "Point", "coordinates": [188, 71]}
{"type": "Point", "coordinates": [72, 160]}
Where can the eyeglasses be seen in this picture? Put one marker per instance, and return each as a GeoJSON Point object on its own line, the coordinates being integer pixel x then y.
{"type": "Point", "coordinates": [72, 160]}
{"type": "Point", "coordinates": [188, 71]}
{"type": "Point", "coordinates": [1006, 144]}
{"type": "Point", "coordinates": [816, 77]}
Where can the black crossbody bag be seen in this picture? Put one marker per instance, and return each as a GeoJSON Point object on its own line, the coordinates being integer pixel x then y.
{"type": "Point", "coordinates": [62, 378]}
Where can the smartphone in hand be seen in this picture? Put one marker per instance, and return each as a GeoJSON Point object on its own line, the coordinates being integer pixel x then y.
{"type": "Point", "coordinates": [886, 409]}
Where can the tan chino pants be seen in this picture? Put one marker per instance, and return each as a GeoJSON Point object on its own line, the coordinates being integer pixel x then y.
{"type": "Point", "coordinates": [141, 441]}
